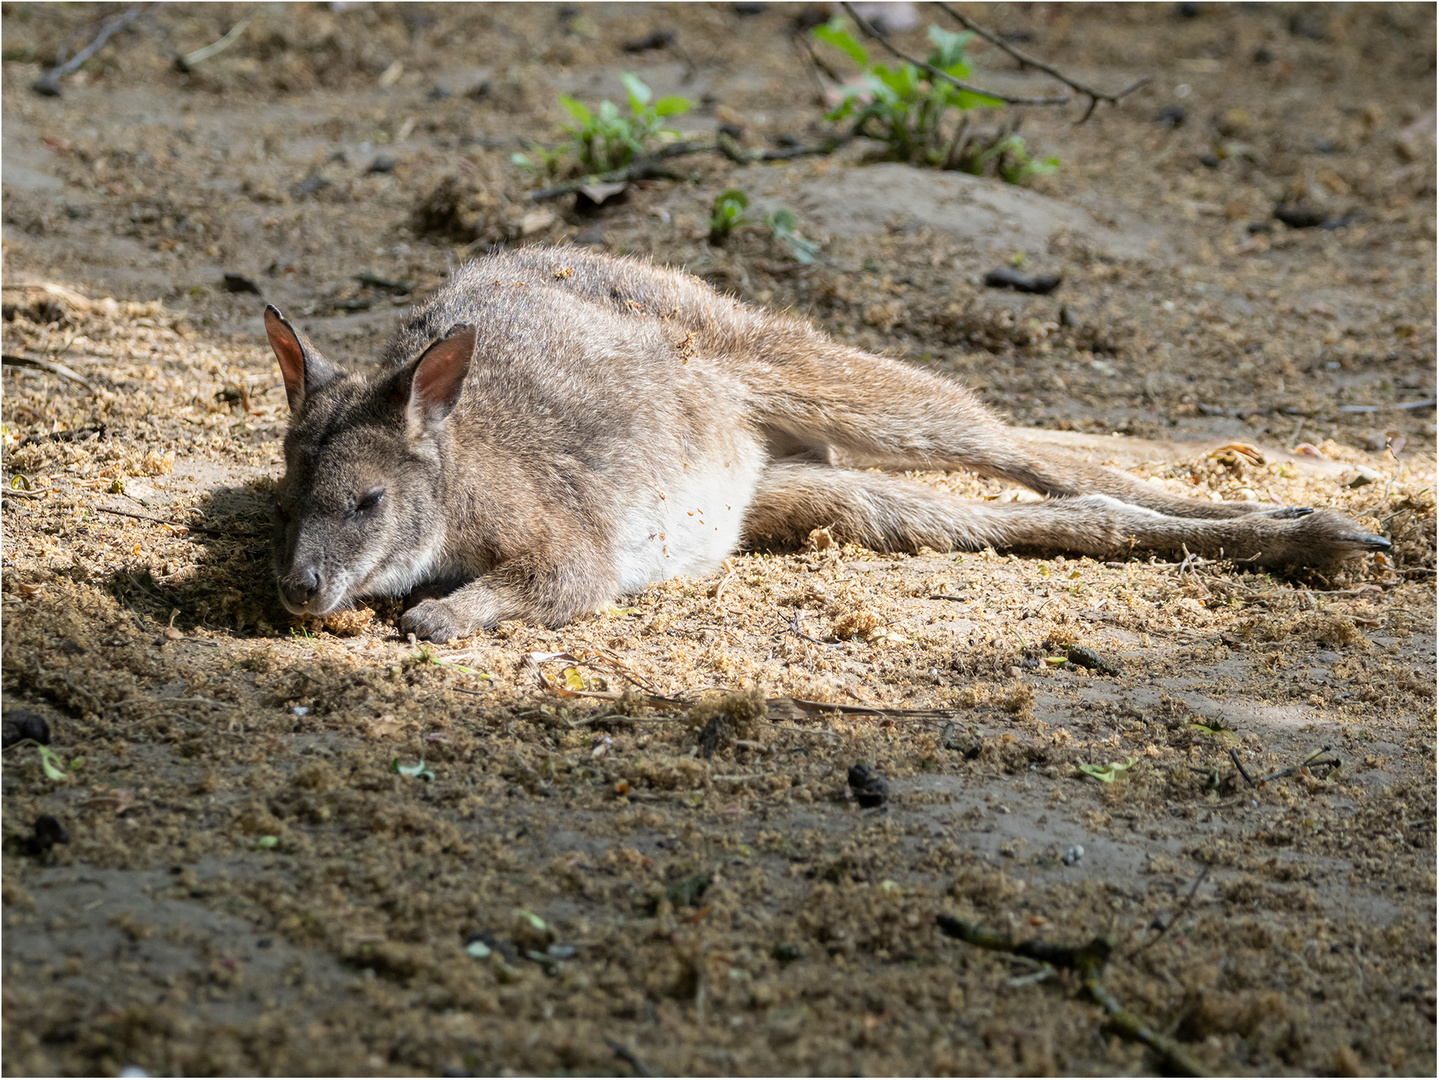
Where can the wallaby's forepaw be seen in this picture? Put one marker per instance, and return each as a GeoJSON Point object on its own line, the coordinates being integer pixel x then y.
{"type": "Point", "coordinates": [434, 620]}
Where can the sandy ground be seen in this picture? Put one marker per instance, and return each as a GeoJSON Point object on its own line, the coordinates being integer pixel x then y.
{"type": "Point", "coordinates": [632, 845]}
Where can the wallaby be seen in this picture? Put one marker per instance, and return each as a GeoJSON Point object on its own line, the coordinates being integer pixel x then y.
{"type": "Point", "coordinates": [554, 428]}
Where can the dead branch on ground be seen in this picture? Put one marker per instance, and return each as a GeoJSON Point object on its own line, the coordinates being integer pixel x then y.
{"type": "Point", "coordinates": [1188, 899]}
{"type": "Point", "coordinates": [1025, 60]}
{"type": "Point", "coordinates": [49, 83]}
{"type": "Point", "coordinates": [874, 32]}
{"type": "Point", "coordinates": [650, 166]}
{"type": "Point", "coordinates": [1088, 961]}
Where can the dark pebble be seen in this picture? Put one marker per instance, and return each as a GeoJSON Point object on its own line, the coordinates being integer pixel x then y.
{"type": "Point", "coordinates": [1080, 656]}
{"type": "Point", "coordinates": [1005, 278]}
{"type": "Point", "coordinates": [308, 186]}
{"type": "Point", "coordinates": [383, 163]}
{"type": "Point", "coordinates": [479, 90]}
{"type": "Point", "coordinates": [750, 9]}
{"type": "Point", "coordinates": [22, 724]}
{"type": "Point", "coordinates": [1262, 55]}
{"type": "Point", "coordinates": [1324, 146]}
{"type": "Point", "coordinates": [438, 93]}
{"type": "Point", "coordinates": [1171, 116]}
{"type": "Point", "coordinates": [734, 131]}
{"type": "Point", "coordinates": [655, 39]}
{"type": "Point", "coordinates": [717, 731]}
{"type": "Point", "coordinates": [48, 833]}
{"type": "Point", "coordinates": [1188, 11]}
{"type": "Point", "coordinates": [1297, 216]}
{"type": "Point", "coordinates": [870, 789]}
{"type": "Point", "coordinates": [239, 283]}
{"type": "Point", "coordinates": [788, 954]}
{"type": "Point", "coordinates": [1209, 161]}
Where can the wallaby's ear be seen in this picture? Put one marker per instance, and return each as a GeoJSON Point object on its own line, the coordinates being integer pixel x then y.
{"type": "Point", "coordinates": [438, 377]}
{"type": "Point", "coordinates": [302, 367]}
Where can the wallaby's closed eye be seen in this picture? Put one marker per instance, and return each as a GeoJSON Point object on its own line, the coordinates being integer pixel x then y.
{"type": "Point", "coordinates": [555, 428]}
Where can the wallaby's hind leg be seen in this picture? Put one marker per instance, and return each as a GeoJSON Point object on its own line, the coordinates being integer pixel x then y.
{"type": "Point", "coordinates": [889, 514]}
{"type": "Point", "coordinates": [879, 412]}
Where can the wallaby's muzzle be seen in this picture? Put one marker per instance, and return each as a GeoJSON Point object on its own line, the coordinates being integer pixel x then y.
{"type": "Point", "coordinates": [299, 588]}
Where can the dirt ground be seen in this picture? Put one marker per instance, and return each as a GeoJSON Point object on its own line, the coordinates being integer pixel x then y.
{"type": "Point", "coordinates": [629, 845]}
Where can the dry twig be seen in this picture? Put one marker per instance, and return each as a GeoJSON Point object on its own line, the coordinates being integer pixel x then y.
{"type": "Point", "coordinates": [872, 31]}
{"type": "Point", "coordinates": [47, 366]}
{"type": "Point", "coordinates": [1095, 96]}
{"type": "Point", "coordinates": [1088, 962]}
{"type": "Point", "coordinates": [1188, 899]}
{"type": "Point", "coordinates": [49, 83]}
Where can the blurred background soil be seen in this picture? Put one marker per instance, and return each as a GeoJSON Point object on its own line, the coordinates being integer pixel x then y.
{"type": "Point", "coordinates": [629, 844]}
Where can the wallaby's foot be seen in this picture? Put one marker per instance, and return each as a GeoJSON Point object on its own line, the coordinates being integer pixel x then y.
{"type": "Point", "coordinates": [434, 620]}
{"type": "Point", "coordinates": [1302, 536]}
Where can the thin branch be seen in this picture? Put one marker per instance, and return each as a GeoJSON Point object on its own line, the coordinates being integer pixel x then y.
{"type": "Point", "coordinates": [1095, 96]}
{"type": "Point", "coordinates": [649, 165]}
{"type": "Point", "coordinates": [49, 83]}
{"type": "Point", "coordinates": [1088, 962]}
{"type": "Point", "coordinates": [173, 524]}
{"type": "Point", "coordinates": [47, 366]}
{"type": "Point", "coordinates": [1183, 907]}
{"type": "Point", "coordinates": [629, 1057]}
{"type": "Point", "coordinates": [871, 31]}
{"type": "Point", "coordinates": [190, 61]}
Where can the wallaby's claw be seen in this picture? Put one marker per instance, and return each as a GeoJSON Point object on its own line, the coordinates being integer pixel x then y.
{"type": "Point", "coordinates": [1368, 541]}
{"type": "Point", "coordinates": [1294, 512]}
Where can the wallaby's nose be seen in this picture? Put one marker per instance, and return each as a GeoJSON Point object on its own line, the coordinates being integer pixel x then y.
{"type": "Point", "coordinates": [300, 587]}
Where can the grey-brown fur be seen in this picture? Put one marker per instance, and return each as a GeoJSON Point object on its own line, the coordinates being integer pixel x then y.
{"type": "Point", "coordinates": [554, 427]}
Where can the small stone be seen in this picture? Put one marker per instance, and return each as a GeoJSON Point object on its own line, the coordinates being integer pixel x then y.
{"type": "Point", "coordinates": [239, 283]}
{"type": "Point", "coordinates": [870, 789]}
{"type": "Point", "coordinates": [1073, 855]}
{"type": "Point", "coordinates": [1080, 656]}
{"type": "Point", "coordinates": [22, 724]}
{"type": "Point", "coordinates": [48, 831]}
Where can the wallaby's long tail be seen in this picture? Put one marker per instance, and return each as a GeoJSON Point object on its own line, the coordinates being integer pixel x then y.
{"type": "Point", "coordinates": [889, 514]}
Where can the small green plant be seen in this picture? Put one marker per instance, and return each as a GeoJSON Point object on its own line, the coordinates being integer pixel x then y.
{"type": "Point", "coordinates": [727, 212]}
{"type": "Point", "coordinates": [604, 139]}
{"type": "Point", "coordinates": [783, 224]}
{"type": "Point", "coordinates": [910, 110]}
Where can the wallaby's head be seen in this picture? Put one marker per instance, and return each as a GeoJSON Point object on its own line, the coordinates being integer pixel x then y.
{"type": "Point", "coordinates": [360, 508]}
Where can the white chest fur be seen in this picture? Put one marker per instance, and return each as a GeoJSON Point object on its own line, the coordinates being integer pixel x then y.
{"type": "Point", "coordinates": [691, 522]}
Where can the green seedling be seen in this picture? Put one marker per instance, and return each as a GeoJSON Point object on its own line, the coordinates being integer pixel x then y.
{"type": "Point", "coordinates": [604, 139]}
{"type": "Point", "coordinates": [784, 225]}
{"type": "Point", "coordinates": [412, 770]}
{"type": "Point", "coordinates": [727, 212]}
{"type": "Point", "coordinates": [50, 762]}
{"type": "Point", "coordinates": [924, 119]}
{"type": "Point", "coordinates": [1107, 774]}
